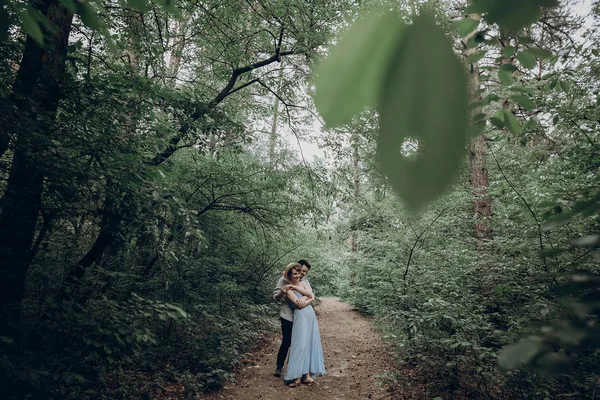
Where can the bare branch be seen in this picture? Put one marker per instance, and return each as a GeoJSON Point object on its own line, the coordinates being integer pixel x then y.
{"type": "Point", "coordinates": [204, 109]}
{"type": "Point", "coordinates": [419, 236]}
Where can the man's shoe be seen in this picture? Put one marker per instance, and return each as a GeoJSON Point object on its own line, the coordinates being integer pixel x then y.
{"type": "Point", "coordinates": [277, 372]}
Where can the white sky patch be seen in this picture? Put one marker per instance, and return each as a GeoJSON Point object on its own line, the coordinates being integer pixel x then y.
{"type": "Point", "coordinates": [305, 148]}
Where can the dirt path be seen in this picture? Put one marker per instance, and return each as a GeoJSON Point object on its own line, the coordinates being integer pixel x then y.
{"type": "Point", "coordinates": [354, 356]}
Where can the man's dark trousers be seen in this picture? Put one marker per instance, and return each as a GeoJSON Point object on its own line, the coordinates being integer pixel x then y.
{"type": "Point", "coordinates": [286, 331]}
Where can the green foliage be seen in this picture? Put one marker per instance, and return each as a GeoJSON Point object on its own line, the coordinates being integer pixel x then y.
{"type": "Point", "coordinates": [503, 12]}
{"type": "Point", "coordinates": [426, 102]}
{"type": "Point", "coordinates": [526, 59]}
{"type": "Point", "coordinates": [515, 316]}
{"type": "Point", "coordinates": [420, 89]}
{"type": "Point", "coordinates": [423, 95]}
{"type": "Point", "coordinates": [466, 26]}
{"type": "Point", "coordinates": [344, 75]}
{"type": "Point", "coordinates": [154, 157]}
{"type": "Point", "coordinates": [524, 101]}
{"type": "Point", "coordinates": [199, 236]}
{"type": "Point", "coordinates": [32, 21]}
{"type": "Point", "coordinates": [451, 315]}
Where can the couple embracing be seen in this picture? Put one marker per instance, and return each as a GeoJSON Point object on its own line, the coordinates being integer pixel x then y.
{"type": "Point", "coordinates": [299, 327]}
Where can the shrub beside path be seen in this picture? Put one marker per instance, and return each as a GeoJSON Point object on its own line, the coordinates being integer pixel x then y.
{"type": "Point", "coordinates": [354, 357]}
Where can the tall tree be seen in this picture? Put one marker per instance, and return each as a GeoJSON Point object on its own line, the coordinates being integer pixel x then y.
{"type": "Point", "coordinates": [273, 137]}
{"type": "Point", "coordinates": [239, 65]}
{"type": "Point", "coordinates": [477, 155]}
{"type": "Point", "coordinates": [36, 90]}
{"type": "Point", "coordinates": [356, 184]}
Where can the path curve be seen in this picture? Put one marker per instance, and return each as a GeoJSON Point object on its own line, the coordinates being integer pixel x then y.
{"type": "Point", "coordinates": [354, 355]}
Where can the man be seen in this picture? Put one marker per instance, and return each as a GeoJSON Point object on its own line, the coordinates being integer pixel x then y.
{"type": "Point", "coordinates": [305, 269]}
{"type": "Point", "coordinates": [286, 315]}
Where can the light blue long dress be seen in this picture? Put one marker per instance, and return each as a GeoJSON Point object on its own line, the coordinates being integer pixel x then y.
{"type": "Point", "coordinates": [306, 354]}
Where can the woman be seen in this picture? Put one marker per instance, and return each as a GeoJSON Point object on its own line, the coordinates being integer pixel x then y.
{"type": "Point", "coordinates": [306, 354]}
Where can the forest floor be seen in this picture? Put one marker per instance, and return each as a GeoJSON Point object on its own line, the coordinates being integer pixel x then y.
{"type": "Point", "coordinates": [356, 361]}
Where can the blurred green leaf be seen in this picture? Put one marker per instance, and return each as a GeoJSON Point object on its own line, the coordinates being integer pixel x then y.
{"type": "Point", "coordinates": [139, 5]}
{"type": "Point", "coordinates": [479, 117]}
{"type": "Point", "coordinates": [537, 52]}
{"type": "Point", "coordinates": [554, 364]}
{"type": "Point", "coordinates": [505, 77]}
{"type": "Point", "coordinates": [508, 67]}
{"type": "Point", "coordinates": [511, 122]}
{"type": "Point", "coordinates": [475, 57]}
{"type": "Point", "coordinates": [490, 97]}
{"type": "Point", "coordinates": [509, 51]}
{"type": "Point", "coordinates": [477, 128]}
{"type": "Point", "coordinates": [587, 241]}
{"type": "Point", "coordinates": [349, 79]}
{"type": "Point", "coordinates": [168, 5]}
{"type": "Point", "coordinates": [523, 101]}
{"type": "Point", "coordinates": [564, 85]}
{"type": "Point", "coordinates": [497, 122]}
{"type": "Point", "coordinates": [524, 39]}
{"type": "Point", "coordinates": [556, 220]}
{"type": "Point", "coordinates": [31, 26]}
{"type": "Point", "coordinates": [502, 12]}
{"type": "Point", "coordinates": [69, 5]}
{"type": "Point", "coordinates": [89, 16]}
{"type": "Point", "coordinates": [529, 125]}
{"type": "Point", "coordinates": [466, 26]}
{"type": "Point", "coordinates": [521, 353]}
{"type": "Point", "coordinates": [551, 252]}
{"type": "Point", "coordinates": [498, 119]}
{"type": "Point", "coordinates": [426, 100]}
{"type": "Point", "coordinates": [527, 60]}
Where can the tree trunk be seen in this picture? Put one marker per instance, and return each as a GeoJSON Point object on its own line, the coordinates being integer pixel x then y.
{"type": "Point", "coordinates": [479, 171]}
{"type": "Point", "coordinates": [177, 46]}
{"type": "Point", "coordinates": [353, 239]}
{"type": "Point", "coordinates": [37, 92]}
{"type": "Point", "coordinates": [108, 230]}
{"type": "Point", "coordinates": [4, 141]}
{"type": "Point", "coordinates": [356, 181]}
{"type": "Point", "coordinates": [111, 213]}
{"type": "Point", "coordinates": [480, 183]}
{"type": "Point", "coordinates": [273, 136]}
{"type": "Point", "coordinates": [112, 220]}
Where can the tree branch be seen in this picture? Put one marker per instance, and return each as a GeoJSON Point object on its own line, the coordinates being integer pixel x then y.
{"type": "Point", "coordinates": [204, 109]}
{"type": "Point", "coordinates": [537, 221]}
{"type": "Point", "coordinates": [419, 236]}
{"type": "Point", "coordinates": [584, 133]}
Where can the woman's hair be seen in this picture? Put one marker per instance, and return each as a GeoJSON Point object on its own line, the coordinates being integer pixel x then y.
{"type": "Point", "coordinates": [287, 273]}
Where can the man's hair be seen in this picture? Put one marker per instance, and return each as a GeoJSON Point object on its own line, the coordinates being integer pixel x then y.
{"type": "Point", "coordinates": [305, 263]}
